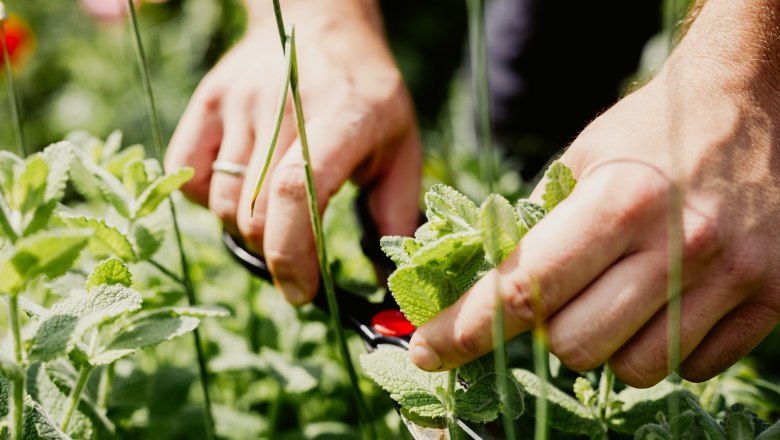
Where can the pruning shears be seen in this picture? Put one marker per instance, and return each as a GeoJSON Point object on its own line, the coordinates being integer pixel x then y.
{"type": "Point", "coordinates": [380, 325]}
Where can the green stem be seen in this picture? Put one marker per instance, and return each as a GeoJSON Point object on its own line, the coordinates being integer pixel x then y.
{"type": "Point", "coordinates": [75, 397]}
{"type": "Point", "coordinates": [541, 356]}
{"type": "Point", "coordinates": [17, 381]}
{"type": "Point", "coordinates": [167, 272]}
{"type": "Point", "coordinates": [481, 88]}
{"type": "Point", "coordinates": [154, 122]}
{"type": "Point", "coordinates": [13, 97]}
{"type": "Point", "coordinates": [106, 384]}
{"type": "Point", "coordinates": [501, 367]}
{"type": "Point", "coordinates": [605, 388]}
{"type": "Point", "coordinates": [273, 412]}
{"type": "Point", "coordinates": [319, 237]}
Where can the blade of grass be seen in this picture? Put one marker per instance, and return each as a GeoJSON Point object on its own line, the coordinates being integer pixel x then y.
{"type": "Point", "coordinates": [319, 238]}
{"type": "Point", "coordinates": [154, 122]}
{"type": "Point", "coordinates": [277, 124]}
{"type": "Point", "coordinates": [541, 368]}
{"type": "Point", "coordinates": [13, 98]}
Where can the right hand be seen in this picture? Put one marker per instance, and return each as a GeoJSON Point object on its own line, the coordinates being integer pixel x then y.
{"type": "Point", "coordinates": [359, 121]}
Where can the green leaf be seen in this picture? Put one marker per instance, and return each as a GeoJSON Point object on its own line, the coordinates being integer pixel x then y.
{"type": "Point", "coordinates": [560, 183]}
{"type": "Point", "coordinates": [159, 190]}
{"type": "Point", "coordinates": [421, 292]}
{"type": "Point", "coordinates": [458, 257]}
{"type": "Point", "coordinates": [110, 271]}
{"type": "Point", "coordinates": [583, 389]}
{"type": "Point", "coordinates": [135, 180]}
{"type": "Point", "coordinates": [58, 157]}
{"type": "Point", "coordinates": [498, 224]}
{"type": "Point", "coordinates": [30, 185]}
{"type": "Point", "coordinates": [84, 179]}
{"type": "Point", "coordinates": [652, 432]}
{"type": "Point", "coordinates": [480, 403]}
{"type": "Point", "coordinates": [44, 391]}
{"type": "Point", "coordinates": [6, 227]}
{"type": "Point", "coordinates": [640, 406]}
{"type": "Point", "coordinates": [112, 145]}
{"type": "Point", "coordinates": [739, 425]}
{"type": "Point", "coordinates": [771, 433]}
{"type": "Point", "coordinates": [414, 389]}
{"type": "Point", "coordinates": [529, 214]}
{"type": "Point", "coordinates": [141, 334]}
{"type": "Point", "coordinates": [38, 425]}
{"type": "Point", "coordinates": [194, 311]}
{"type": "Point", "coordinates": [457, 211]}
{"type": "Point", "coordinates": [67, 321]}
{"type": "Point", "coordinates": [711, 427]}
{"type": "Point", "coordinates": [566, 413]}
{"type": "Point", "coordinates": [293, 378]}
{"type": "Point", "coordinates": [117, 163]}
{"type": "Point", "coordinates": [40, 217]}
{"type": "Point", "coordinates": [49, 253]}
{"type": "Point", "coordinates": [106, 241]}
{"type": "Point", "coordinates": [148, 233]}
{"type": "Point", "coordinates": [231, 424]}
{"type": "Point", "coordinates": [393, 247]}
{"type": "Point", "coordinates": [9, 163]}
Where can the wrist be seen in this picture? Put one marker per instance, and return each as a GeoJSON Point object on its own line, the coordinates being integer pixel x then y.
{"type": "Point", "coordinates": [733, 45]}
{"type": "Point", "coordinates": [260, 12]}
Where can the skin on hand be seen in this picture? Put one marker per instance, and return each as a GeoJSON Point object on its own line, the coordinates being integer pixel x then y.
{"type": "Point", "coordinates": [359, 121]}
{"type": "Point", "coordinates": [703, 132]}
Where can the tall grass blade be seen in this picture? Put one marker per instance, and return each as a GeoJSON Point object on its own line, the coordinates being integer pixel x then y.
{"type": "Point", "coordinates": [16, 414]}
{"type": "Point", "coordinates": [13, 98]}
{"type": "Point", "coordinates": [154, 122]}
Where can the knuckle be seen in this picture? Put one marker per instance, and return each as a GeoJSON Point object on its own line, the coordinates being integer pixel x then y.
{"type": "Point", "coordinates": [519, 305]}
{"type": "Point", "coordinates": [703, 238]}
{"type": "Point", "coordinates": [467, 343]}
{"type": "Point", "coordinates": [289, 183]}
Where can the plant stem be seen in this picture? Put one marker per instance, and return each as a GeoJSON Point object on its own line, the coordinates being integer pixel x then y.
{"type": "Point", "coordinates": [481, 89]}
{"type": "Point", "coordinates": [13, 97]}
{"type": "Point", "coordinates": [605, 388]}
{"type": "Point", "coordinates": [273, 412]}
{"type": "Point", "coordinates": [106, 383]}
{"type": "Point", "coordinates": [154, 122]}
{"type": "Point", "coordinates": [542, 429]}
{"type": "Point", "coordinates": [75, 397]}
{"type": "Point", "coordinates": [167, 272]}
{"type": "Point", "coordinates": [16, 418]}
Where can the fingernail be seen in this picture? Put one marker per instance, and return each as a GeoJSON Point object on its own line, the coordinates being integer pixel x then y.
{"type": "Point", "coordinates": [425, 357]}
{"type": "Point", "coordinates": [293, 292]}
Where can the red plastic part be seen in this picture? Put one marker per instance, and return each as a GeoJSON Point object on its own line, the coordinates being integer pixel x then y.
{"type": "Point", "coordinates": [392, 323]}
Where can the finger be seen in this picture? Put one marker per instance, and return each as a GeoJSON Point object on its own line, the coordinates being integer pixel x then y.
{"type": "Point", "coordinates": [236, 147]}
{"type": "Point", "coordinates": [557, 259]}
{"type": "Point", "coordinates": [195, 144]}
{"type": "Point", "coordinates": [394, 201]}
{"type": "Point", "coordinates": [338, 144]}
{"type": "Point", "coordinates": [252, 223]}
{"type": "Point", "coordinates": [624, 299]}
{"type": "Point", "coordinates": [644, 360]}
{"type": "Point", "coordinates": [732, 338]}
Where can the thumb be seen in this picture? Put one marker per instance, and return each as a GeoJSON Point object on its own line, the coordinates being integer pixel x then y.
{"type": "Point", "coordinates": [557, 259]}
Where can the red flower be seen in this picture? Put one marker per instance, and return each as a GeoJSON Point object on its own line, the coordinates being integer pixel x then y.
{"type": "Point", "coordinates": [19, 40]}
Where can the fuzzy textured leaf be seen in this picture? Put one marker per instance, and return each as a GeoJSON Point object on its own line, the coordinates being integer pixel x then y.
{"type": "Point", "coordinates": [711, 428]}
{"type": "Point", "coordinates": [38, 425]}
{"type": "Point", "coordinates": [393, 247]}
{"type": "Point", "coordinates": [739, 425]}
{"type": "Point", "coordinates": [652, 432]}
{"type": "Point", "coordinates": [117, 163]}
{"type": "Point", "coordinates": [529, 214]}
{"type": "Point", "coordinates": [148, 233]}
{"type": "Point", "coordinates": [144, 333]}
{"type": "Point", "coordinates": [560, 183]}
{"type": "Point", "coordinates": [498, 224]}
{"type": "Point", "coordinates": [414, 389]}
{"type": "Point", "coordinates": [110, 271]}
{"type": "Point", "coordinates": [159, 190]}
{"type": "Point", "coordinates": [49, 253]}
{"type": "Point", "coordinates": [566, 413]}
{"type": "Point", "coordinates": [30, 185]}
{"type": "Point", "coordinates": [134, 179]}
{"type": "Point", "coordinates": [106, 241]}
{"type": "Point", "coordinates": [59, 157]}
{"type": "Point", "coordinates": [421, 292]}
{"type": "Point", "coordinates": [67, 321]}
{"type": "Point", "coordinates": [457, 211]}
{"type": "Point", "coordinates": [640, 406]}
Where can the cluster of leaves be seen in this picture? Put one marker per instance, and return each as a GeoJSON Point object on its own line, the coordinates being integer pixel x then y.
{"type": "Point", "coordinates": [78, 323]}
{"type": "Point", "coordinates": [448, 254]}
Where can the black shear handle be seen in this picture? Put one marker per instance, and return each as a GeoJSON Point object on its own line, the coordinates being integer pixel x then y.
{"type": "Point", "coordinates": [356, 311]}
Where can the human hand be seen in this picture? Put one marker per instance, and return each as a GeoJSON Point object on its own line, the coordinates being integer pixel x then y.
{"type": "Point", "coordinates": [359, 121]}
{"type": "Point", "coordinates": [700, 140]}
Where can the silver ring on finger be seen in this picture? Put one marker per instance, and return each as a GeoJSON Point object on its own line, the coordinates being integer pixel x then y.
{"type": "Point", "coordinates": [231, 168]}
